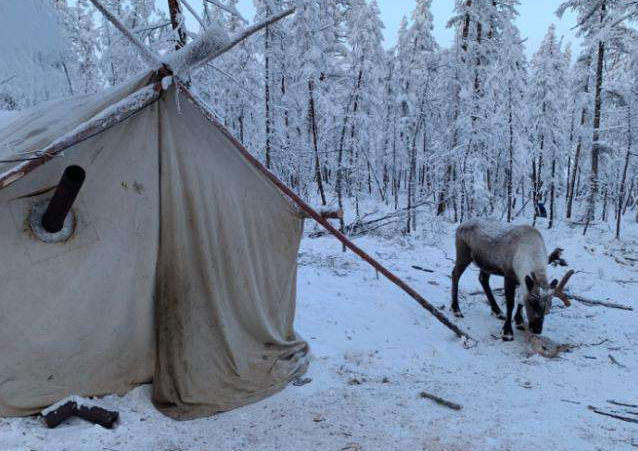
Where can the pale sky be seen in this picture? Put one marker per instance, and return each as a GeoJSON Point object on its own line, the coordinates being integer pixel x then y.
{"type": "Point", "coordinates": [535, 17]}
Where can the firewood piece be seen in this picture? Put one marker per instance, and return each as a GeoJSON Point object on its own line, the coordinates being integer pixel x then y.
{"type": "Point", "coordinates": [612, 415]}
{"type": "Point", "coordinates": [419, 268]}
{"type": "Point", "coordinates": [75, 406]}
{"type": "Point", "coordinates": [441, 401]}
{"type": "Point", "coordinates": [97, 415]}
{"type": "Point", "coordinates": [54, 418]}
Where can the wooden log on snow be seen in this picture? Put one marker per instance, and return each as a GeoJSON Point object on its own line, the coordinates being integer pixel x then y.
{"type": "Point", "coordinates": [97, 415]}
{"type": "Point", "coordinates": [54, 418]}
{"type": "Point", "coordinates": [74, 406]}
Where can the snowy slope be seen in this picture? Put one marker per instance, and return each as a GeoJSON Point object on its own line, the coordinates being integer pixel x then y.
{"type": "Point", "coordinates": [375, 350]}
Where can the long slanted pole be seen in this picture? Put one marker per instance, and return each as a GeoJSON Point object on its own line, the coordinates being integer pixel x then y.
{"type": "Point", "coordinates": [320, 219]}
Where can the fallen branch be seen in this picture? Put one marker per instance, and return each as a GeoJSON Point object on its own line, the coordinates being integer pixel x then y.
{"type": "Point", "coordinates": [441, 401]}
{"type": "Point", "coordinates": [593, 303]}
{"type": "Point", "coordinates": [422, 269]}
{"type": "Point", "coordinates": [615, 362]}
{"type": "Point", "coordinates": [622, 404]}
{"type": "Point", "coordinates": [612, 415]}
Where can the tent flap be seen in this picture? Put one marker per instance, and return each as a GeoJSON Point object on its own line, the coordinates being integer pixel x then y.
{"type": "Point", "coordinates": [226, 276]}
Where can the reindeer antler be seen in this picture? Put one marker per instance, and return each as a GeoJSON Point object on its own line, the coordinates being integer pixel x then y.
{"type": "Point", "coordinates": [558, 291]}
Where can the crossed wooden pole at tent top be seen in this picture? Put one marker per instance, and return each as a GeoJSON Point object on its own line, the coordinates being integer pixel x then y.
{"type": "Point", "coordinates": [216, 42]}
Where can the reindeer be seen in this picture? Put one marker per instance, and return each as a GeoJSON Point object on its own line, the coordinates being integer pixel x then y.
{"type": "Point", "coordinates": [518, 253]}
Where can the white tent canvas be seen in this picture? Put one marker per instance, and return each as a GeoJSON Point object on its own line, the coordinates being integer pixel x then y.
{"type": "Point", "coordinates": [181, 268]}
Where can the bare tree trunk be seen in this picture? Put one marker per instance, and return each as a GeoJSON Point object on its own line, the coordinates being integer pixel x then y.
{"type": "Point", "coordinates": [410, 185]}
{"type": "Point", "coordinates": [623, 181]}
{"type": "Point", "coordinates": [510, 160]}
{"type": "Point", "coordinates": [339, 181]}
{"type": "Point", "coordinates": [177, 22]}
{"type": "Point", "coordinates": [552, 193]}
{"type": "Point", "coordinates": [312, 119]}
{"type": "Point", "coordinates": [267, 96]}
{"type": "Point", "coordinates": [595, 151]}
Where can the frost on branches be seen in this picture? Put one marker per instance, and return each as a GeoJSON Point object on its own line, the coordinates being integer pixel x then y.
{"type": "Point", "coordinates": [476, 129]}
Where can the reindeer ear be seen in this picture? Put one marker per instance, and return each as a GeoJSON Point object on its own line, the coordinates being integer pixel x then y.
{"type": "Point", "coordinates": [529, 282]}
{"type": "Point", "coordinates": [554, 284]}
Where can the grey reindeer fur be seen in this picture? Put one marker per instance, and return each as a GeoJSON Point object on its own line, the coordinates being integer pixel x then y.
{"type": "Point", "coordinates": [516, 252]}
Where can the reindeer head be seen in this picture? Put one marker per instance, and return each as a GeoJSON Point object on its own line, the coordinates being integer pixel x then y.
{"type": "Point", "coordinates": [538, 300]}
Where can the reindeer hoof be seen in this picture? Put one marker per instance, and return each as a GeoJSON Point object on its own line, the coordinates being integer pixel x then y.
{"type": "Point", "coordinates": [520, 326]}
{"type": "Point", "coordinates": [507, 336]}
{"type": "Point", "coordinates": [458, 314]}
{"type": "Point", "coordinates": [498, 315]}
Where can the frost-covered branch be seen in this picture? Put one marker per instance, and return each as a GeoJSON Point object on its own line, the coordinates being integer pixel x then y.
{"type": "Point", "coordinates": [229, 9]}
{"type": "Point", "coordinates": [213, 43]}
{"type": "Point", "coordinates": [147, 54]}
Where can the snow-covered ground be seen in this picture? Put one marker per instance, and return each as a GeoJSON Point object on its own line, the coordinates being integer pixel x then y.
{"type": "Point", "coordinates": [375, 350]}
{"type": "Point", "coordinates": [6, 117]}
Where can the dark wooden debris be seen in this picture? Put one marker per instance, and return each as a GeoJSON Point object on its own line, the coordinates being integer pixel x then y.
{"type": "Point", "coordinates": [441, 401]}
{"type": "Point", "coordinates": [92, 414]}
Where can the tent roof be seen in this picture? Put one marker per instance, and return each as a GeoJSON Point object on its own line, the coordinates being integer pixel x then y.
{"type": "Point", "coordinates": [37, 135]}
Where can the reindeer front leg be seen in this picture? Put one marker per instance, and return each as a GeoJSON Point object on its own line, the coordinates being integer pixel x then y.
{"type": "Point", "coordinates": [510, 293]}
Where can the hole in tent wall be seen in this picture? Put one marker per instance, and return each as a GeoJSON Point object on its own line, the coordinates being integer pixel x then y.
{"type": "Point", "coordinates": [35, 224]}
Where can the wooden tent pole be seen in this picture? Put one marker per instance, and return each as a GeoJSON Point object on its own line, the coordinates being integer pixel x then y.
{"type": "Point", "coordinates": [321, 220]}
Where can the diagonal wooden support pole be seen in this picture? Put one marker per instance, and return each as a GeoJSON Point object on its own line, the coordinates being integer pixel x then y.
{"type": "Point", "coordinates": [201, 106]}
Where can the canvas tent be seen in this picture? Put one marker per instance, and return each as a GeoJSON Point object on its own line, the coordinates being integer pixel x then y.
{"type": "Point", "coordinates": [179, 262]}
{"type": "Point", "coordinates": [175, 232]}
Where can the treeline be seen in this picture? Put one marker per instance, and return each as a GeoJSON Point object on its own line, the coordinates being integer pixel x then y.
{"type": "Point", "coordinates": [477, 129]}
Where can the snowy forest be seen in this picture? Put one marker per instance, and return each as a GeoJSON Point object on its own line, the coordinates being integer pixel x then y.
{"type": "Point", "coordinates": [478, 129]}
